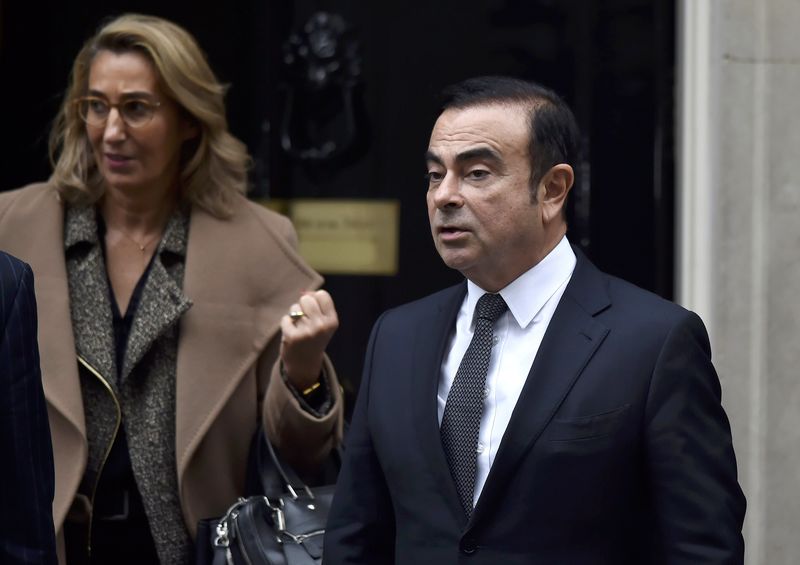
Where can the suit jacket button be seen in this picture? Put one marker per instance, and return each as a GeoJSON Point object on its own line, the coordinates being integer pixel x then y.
{"type": "Point", "coordinates": [469, 546]}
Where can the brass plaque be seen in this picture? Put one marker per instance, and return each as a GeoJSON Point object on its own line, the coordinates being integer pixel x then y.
{"type": "Point", "coordinates": [343, 236]}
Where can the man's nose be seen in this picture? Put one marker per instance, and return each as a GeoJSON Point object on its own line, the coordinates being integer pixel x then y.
{"type": "Point", "coordinates": [448, 192]}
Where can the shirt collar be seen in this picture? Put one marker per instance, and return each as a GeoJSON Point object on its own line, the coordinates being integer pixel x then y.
{"type": "Point", "coordinates": [527, 294]}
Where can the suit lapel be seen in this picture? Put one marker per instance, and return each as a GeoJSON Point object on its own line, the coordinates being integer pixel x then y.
{"type": "Point", "coordinates": [571, 339]}
{"type": "Point", "coordinates": [429, 349]}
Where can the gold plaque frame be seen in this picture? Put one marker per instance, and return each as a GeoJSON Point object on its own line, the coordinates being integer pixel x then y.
{"type": "Point", "coordinates": [345, 236]}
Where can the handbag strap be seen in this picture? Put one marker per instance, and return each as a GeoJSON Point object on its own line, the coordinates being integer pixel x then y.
{"type": "Point", "coordinates": [267, 456]}
{"type": "Point", "coordinates": [270, 475]}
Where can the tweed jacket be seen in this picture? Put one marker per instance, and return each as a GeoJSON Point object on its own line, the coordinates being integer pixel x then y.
{"type": "Point", "coordinates": [240, 277]}
{"type": "Point", "coordinates": [136, 399]}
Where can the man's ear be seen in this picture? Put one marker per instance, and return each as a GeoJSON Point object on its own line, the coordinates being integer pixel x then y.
{"type": "Point", "coordinates": [554, 187]}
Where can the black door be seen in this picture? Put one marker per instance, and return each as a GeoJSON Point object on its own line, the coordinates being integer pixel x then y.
{"type": "Point", "coordinates": [612, 60]}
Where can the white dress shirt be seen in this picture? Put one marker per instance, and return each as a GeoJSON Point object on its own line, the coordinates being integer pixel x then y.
{"type": "Point", "coordinates": [532, 298]}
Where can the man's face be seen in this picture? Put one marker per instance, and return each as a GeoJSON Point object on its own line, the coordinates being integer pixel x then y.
{"type": "Point", "coordinates": [482, 217]}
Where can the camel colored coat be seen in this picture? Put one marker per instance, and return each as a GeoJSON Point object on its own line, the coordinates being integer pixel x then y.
{"type": "Point", "coordinates": [241, 276]}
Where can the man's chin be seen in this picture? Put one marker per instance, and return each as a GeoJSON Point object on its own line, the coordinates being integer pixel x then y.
{"type": "Point", "coordinates": [455, 260]}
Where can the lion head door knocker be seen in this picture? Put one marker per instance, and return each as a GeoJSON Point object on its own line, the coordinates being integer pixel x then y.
{"type": "Point", "coordinates": [322, 120]}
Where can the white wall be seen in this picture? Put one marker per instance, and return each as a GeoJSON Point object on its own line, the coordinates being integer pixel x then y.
{"type": "Point", "coordinates": [739, 240]}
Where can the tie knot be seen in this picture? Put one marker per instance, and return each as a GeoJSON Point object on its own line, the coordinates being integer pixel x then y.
{"type": "Point", "coordinates": [490, 307]}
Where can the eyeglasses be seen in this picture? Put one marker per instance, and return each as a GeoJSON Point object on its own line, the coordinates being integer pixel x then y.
{"type": "Point", "coordinates": [135, 112]}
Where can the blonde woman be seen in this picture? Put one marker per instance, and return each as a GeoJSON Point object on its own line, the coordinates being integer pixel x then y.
{"type": "Point", "coordinates": [175, 315]}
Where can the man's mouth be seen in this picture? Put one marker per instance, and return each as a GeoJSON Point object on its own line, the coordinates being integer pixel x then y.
{"type": "Point", "coordinates": [450, 231]}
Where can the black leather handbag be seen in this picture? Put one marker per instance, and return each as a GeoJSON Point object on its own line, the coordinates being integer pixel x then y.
{"type": "Point", "coordinates": [282, 525]}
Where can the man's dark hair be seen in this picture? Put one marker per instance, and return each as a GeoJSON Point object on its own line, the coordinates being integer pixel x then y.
{"type": "Point", "coordinates": [554, 134]}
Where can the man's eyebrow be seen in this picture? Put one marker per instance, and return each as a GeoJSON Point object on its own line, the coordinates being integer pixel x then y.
{"type": "Point", "coordinates": [476, 154]}
{"type": "Point", "coordinates": [431, 157]}
{"type": "Point", "coordinates": [479, 154]}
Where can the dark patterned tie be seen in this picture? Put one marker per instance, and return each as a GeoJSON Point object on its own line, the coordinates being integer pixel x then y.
{"type": "Point", "coordinates": [463, 410]}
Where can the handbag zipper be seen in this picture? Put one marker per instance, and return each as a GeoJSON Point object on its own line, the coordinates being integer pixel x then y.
{"type": "Point", "coordinates": [118, 409]}
{"type": "Point", "coordinates": [240, 543]}
{"type": "Point", "coordinates": [300, 538]}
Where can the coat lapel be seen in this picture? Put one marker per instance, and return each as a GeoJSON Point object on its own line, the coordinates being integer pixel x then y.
{"type": "Point", "coordinates": [90, 302]}
{"type": "Point", "coordinates": [429, 349]}
{"type": "Point", "coordinates": [34, 232]}
{"type": "Point", "coordinates": [162, 302]}
{"type": "Point", "coordinates": [569, 343]}
{"type": "Point", "coordinates": [56, 343]}
{"type": "Point", "coordinates": [241, 276]}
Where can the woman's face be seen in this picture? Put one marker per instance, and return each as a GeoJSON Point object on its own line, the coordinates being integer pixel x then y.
{"type": "Point", "coordinates": [145, 158]}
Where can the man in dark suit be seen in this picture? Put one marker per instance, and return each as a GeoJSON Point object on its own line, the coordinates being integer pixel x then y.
{"type": "Point", "coordinates": [541, 411]}
{"type": "Point", "coordinates": [26, 475]}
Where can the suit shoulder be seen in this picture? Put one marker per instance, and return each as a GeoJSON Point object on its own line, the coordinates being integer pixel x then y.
{"type": "Point", "coordinates": [629, 295]}
{"type": "Point", "coordinates": [598, 292]}
{"type": "Point", "coordinates": [646, 313]}
{"type": "Point", "coordinates": [623, 305]}
{"type": "Point", "coordinates": [422, 308]}
{"type": "Point", "coordinates": [640, 321]}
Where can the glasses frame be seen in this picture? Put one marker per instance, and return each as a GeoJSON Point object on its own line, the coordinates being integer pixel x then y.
{"type": "Point", "coordinates": [118, 106]}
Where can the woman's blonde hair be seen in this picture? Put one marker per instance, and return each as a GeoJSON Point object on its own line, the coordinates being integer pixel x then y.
{"type": "Point", "coordinates": [214, 164]}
